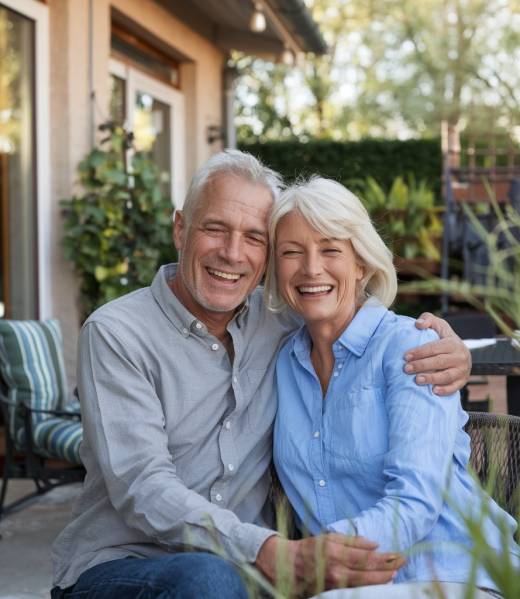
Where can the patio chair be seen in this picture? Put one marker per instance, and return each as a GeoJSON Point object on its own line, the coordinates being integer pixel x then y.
{"type": "Point", "coordinates": [42, 425]}
{"type": "Point", "coordinates": [472, 325]}
{"type": "Point", "coordinates": [495, 456]}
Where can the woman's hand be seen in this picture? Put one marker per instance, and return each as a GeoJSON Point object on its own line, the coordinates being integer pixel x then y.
{"type": "Point", "coordinates": [338, 560]}
{"type": "Point", "coordinates": [446, 363]}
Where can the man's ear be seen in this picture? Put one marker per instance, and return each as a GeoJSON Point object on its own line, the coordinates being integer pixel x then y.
{"type": "Point", "coordinates": [179, 228]}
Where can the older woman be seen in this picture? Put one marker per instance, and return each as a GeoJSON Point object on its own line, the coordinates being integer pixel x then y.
{"type": "Point", "coordinates": [360, 448]}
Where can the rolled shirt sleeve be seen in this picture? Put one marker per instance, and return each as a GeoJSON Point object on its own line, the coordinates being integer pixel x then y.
{"type": "Point", "coordinates": [124, 425]}
{"type": "Point", "coordinates": [422, 428]}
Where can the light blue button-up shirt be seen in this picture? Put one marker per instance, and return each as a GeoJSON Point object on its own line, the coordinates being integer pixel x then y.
{"type": "Point", "coordinates": [379, 455]}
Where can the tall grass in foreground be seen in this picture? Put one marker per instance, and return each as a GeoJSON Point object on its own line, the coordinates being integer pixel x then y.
{"type": "Point", "coordinates": [502, 565]}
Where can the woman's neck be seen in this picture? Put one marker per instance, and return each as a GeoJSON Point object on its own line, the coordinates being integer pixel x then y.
{"type": "Point", "coordinates": [323, 335]}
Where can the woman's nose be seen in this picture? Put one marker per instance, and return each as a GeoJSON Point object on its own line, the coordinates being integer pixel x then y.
{"type": "Point", "coordinates": [312, 265]}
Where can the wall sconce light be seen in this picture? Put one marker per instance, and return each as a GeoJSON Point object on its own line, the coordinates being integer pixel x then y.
{"type": "Point", "coordinates": [258, 22]}
{"type": "Point", "coordinates": [214, 133]}
{"type": "Point", "coordinates": [287, 57]}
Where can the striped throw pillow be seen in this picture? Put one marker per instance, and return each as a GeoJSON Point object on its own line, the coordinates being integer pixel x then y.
{"type": "Point", "coordinates": [32, 368]}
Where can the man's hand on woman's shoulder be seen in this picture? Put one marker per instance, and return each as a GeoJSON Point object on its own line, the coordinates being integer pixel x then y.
{"type": "Point", "coordinates": [445, 363]}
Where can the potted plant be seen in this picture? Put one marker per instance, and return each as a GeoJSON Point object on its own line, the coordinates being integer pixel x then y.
{"type": "Point", "coordinates": [118, 230]}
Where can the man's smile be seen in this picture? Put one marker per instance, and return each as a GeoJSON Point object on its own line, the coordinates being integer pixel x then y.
{"type": "Point", "coordinates": [222, 275]}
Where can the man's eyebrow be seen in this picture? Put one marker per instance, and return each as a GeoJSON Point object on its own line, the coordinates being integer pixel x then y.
{"type": "Point", "coordinates": [213, 221]}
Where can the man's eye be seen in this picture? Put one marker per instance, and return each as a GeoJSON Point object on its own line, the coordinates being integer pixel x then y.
{"type": "Point", "coordinates": [256, 240]}
{"type": "Point", "coordinates": [213, 230]}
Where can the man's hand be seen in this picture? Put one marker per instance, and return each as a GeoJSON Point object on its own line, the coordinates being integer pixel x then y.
{"type": "Point", "coordinates": [445, 363]}
{"type": "Point", "coordinates": [328, 561]}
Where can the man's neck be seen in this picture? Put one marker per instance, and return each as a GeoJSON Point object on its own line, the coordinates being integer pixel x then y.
{"type": "Point", "coordinates": [216, 322]}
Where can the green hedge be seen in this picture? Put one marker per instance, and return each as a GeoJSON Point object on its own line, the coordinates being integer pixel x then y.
{"type": "Point", "coordinates": [352, 162]}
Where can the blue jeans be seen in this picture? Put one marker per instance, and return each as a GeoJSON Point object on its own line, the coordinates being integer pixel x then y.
{"type": "Point", "coordinates": [176, 576]}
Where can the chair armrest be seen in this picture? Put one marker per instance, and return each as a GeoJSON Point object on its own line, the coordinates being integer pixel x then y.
{"type": "Point", "coordinates": [60, 413]}
{"type": "Point", "coordinates": [7, 402]}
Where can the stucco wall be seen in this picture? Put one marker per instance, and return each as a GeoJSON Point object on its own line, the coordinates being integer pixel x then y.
{"type": "Point", "coordinates": [71, 117]}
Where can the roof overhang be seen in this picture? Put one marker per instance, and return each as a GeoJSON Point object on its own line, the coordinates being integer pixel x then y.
{"type": "Point", "coordinates": [226, 24]}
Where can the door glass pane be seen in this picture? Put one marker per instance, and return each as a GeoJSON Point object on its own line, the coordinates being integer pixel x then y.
{"type": "Point", "coordinates": [117, 99]}
{"type": "Point", "coordinates": [152, 132]}
{"type": "Point", "coordinates": [18, 273]}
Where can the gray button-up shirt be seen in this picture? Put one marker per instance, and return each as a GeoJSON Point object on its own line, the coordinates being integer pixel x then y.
{"type": "Point", "coordinates": [177, 438]}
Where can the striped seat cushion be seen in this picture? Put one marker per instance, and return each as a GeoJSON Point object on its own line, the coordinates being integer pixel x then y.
{"type": "Point", "coordinates": [58, 438]}
{"type": "Point", "coordinates": [32, 368]}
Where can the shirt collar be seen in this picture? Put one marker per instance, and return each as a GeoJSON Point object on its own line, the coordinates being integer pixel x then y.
{"type": "Point", "coordinates": [363, 326]}
{"type": "Point", "coordinates": [356, 336]}
{"type": "Point", "coordinates": [175, 310]}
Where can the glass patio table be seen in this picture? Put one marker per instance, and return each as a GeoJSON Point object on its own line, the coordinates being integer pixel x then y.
{"type": "Point", "coordinates": [502, 358]}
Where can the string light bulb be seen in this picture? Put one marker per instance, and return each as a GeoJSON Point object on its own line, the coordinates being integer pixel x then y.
{"type": "Point", "coordinates": [287, 57]}
{"type": "Point", "coordinates": [258, 22]}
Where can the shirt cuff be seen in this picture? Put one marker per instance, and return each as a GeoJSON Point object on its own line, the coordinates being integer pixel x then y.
{"type": "Point", "coordinates": [344, 527]}
{"type": "Point", "coordinates": [250, 539]}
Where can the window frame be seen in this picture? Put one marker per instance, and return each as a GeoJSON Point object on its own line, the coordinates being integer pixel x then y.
{"type": "Point", "coordinates": [38, 12]}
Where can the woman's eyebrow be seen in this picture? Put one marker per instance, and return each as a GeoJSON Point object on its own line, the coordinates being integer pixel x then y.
{"type": "Point", "coordinates": [329, 239]}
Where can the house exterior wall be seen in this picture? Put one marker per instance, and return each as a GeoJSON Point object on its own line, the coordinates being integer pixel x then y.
{"type": "Point", "coordinates": [71, 116]}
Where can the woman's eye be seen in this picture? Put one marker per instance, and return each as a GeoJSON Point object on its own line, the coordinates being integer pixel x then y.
{"type": "Point", "coordinates": [290, 253]}
{"type": "Point", "coordinates": [331, 251]}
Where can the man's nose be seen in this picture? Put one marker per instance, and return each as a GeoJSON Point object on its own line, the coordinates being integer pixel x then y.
{"type": "Point", "coordinates": [233, 249]}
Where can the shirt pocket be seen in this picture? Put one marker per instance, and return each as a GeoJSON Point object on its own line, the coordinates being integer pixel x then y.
{"type": "Point", "coordinates": [359, 428]}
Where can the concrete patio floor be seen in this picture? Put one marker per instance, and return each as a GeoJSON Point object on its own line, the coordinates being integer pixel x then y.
{"type": "Point", "coordinates": [27, 535]}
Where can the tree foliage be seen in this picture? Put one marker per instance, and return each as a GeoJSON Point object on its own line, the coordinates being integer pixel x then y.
{"type": "Point", "coordinates": [395, 68]}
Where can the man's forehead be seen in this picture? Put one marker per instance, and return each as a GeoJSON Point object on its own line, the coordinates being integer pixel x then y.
{"type": "Point", "coordinates": [233, 195]}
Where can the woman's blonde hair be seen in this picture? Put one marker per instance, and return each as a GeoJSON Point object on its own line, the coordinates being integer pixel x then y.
{"type": "Point", "coordinates": [335, 212]}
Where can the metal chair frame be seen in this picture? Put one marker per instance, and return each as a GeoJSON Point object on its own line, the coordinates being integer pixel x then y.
{"type": "Point", "coordinates": [27, 463]}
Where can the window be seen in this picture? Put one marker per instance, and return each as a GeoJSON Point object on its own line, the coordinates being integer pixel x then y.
{"type": "Point", "coordinates": [154, 112]}
{"type": "Point", "coordinates": [18, 214]}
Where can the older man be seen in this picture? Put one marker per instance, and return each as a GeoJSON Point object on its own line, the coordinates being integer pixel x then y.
{"type": "Point", "coordinates": [176, 387]}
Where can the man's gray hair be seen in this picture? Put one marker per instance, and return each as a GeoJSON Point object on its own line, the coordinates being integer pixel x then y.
{"type": "Point", "coordinates": [230, 162]}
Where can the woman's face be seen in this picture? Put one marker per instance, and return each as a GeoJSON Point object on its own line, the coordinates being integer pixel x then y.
{"type": "Point", "coordinates": [316, 276]}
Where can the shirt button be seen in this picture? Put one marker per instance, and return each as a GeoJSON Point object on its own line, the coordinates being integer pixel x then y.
{"type": "Point", "coordinates": [231, 467]}
{"type": "Point", "coordinates": [185, 331]}
{"type": "Point", "coordinates": [235, 380]}
{"type": "Point", "coordinates": [214, 347]}
{"type": "Point", "coordinates": [336, 373]}
{"type": "Point", "coordinates": [340, 366]}
{"type": "Point", "coordinates": [218, 497]}
{"type": "Point", "coordinates": [316, 434]}
{"type": "Point", "coordinates": [322, 483]}
{"type": "Point", "coordinates": [198, 325]}
{"type": "Point", "coordinates": [227, 424]}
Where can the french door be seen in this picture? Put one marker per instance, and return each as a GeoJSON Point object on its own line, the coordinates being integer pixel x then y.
{"type": "Point", "coordinates": [154, 111]}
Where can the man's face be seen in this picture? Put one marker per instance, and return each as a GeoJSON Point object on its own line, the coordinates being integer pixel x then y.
{"type": "Point", "coordinates": [223, 249]}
